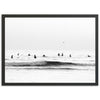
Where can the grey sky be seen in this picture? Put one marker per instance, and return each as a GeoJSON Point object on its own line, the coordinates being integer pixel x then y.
{"type": "Point", "coordinates": [50, 33]}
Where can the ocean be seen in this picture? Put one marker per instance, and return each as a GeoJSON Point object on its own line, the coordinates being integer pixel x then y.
{"type": "Point", "coordinates": [71, 67]}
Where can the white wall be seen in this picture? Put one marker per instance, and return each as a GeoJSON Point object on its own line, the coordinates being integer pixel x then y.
{"type": "Point", "coordinates": [49, 7]}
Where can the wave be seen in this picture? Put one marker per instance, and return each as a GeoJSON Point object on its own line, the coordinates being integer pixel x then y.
{"type": "Point", "coordinates": [48, 63]}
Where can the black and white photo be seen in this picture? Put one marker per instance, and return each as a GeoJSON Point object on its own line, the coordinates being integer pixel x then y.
{"type": "Point", "coordinates": [50, 49]}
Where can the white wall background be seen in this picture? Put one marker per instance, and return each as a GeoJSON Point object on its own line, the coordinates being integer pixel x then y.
{"type": "Point", "coordinates": [49, 7]}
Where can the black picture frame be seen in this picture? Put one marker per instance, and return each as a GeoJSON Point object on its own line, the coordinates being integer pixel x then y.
{"type": "Point", "coordinates": [49, 15]}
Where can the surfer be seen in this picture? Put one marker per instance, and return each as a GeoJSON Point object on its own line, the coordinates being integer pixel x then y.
{"type": "Point", "coordinates": [89, 56]}
{"type": "Point", "coordinates": [43, 55]}
{"type": "Point", "coordinates": [70, 55]}
{"type": "Point", "coordinates": [11, 56]}
{"type": "Point", "coordinates": [17, 54]}
{"type": "Point", "coordinates": [29, 55]}
{"type": "Point", "coordinates": [62, 54]}
{"type": "Point", "coordinates": [35, 56]}
{"type": "Point", "coordinates": [58, 54]}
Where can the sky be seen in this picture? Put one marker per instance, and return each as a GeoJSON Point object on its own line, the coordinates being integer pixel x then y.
{"type": "Point", "coordinates": [50, 33]}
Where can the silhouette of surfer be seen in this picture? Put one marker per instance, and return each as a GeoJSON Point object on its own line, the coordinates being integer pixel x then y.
{"type": "Point", "coordinates": [62, 54]}
{"type": "Point", "coordinates": [35, 56]}
{"type": "Point", "coordinates": [17, 54]}
{"type": "Point", "coordinates": [70, 55]}
{"type": "Point", "coordinates": [58, 54]}
{"type": "Point", "coordinates": [29, 55]}
{"type": "Point", "coordinates": [11, 56]}
{"type": "Point", "coordinates": [89, 56]}
{"type": "Point", "coordinates": [43, 55]}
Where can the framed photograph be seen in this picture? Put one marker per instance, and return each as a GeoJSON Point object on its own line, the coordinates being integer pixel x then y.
{"type": "Point", "coordinates": [49, 49]}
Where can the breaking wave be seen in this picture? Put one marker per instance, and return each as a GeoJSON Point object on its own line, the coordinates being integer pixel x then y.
{"type": "Point", "coordinates": [48, 63]}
